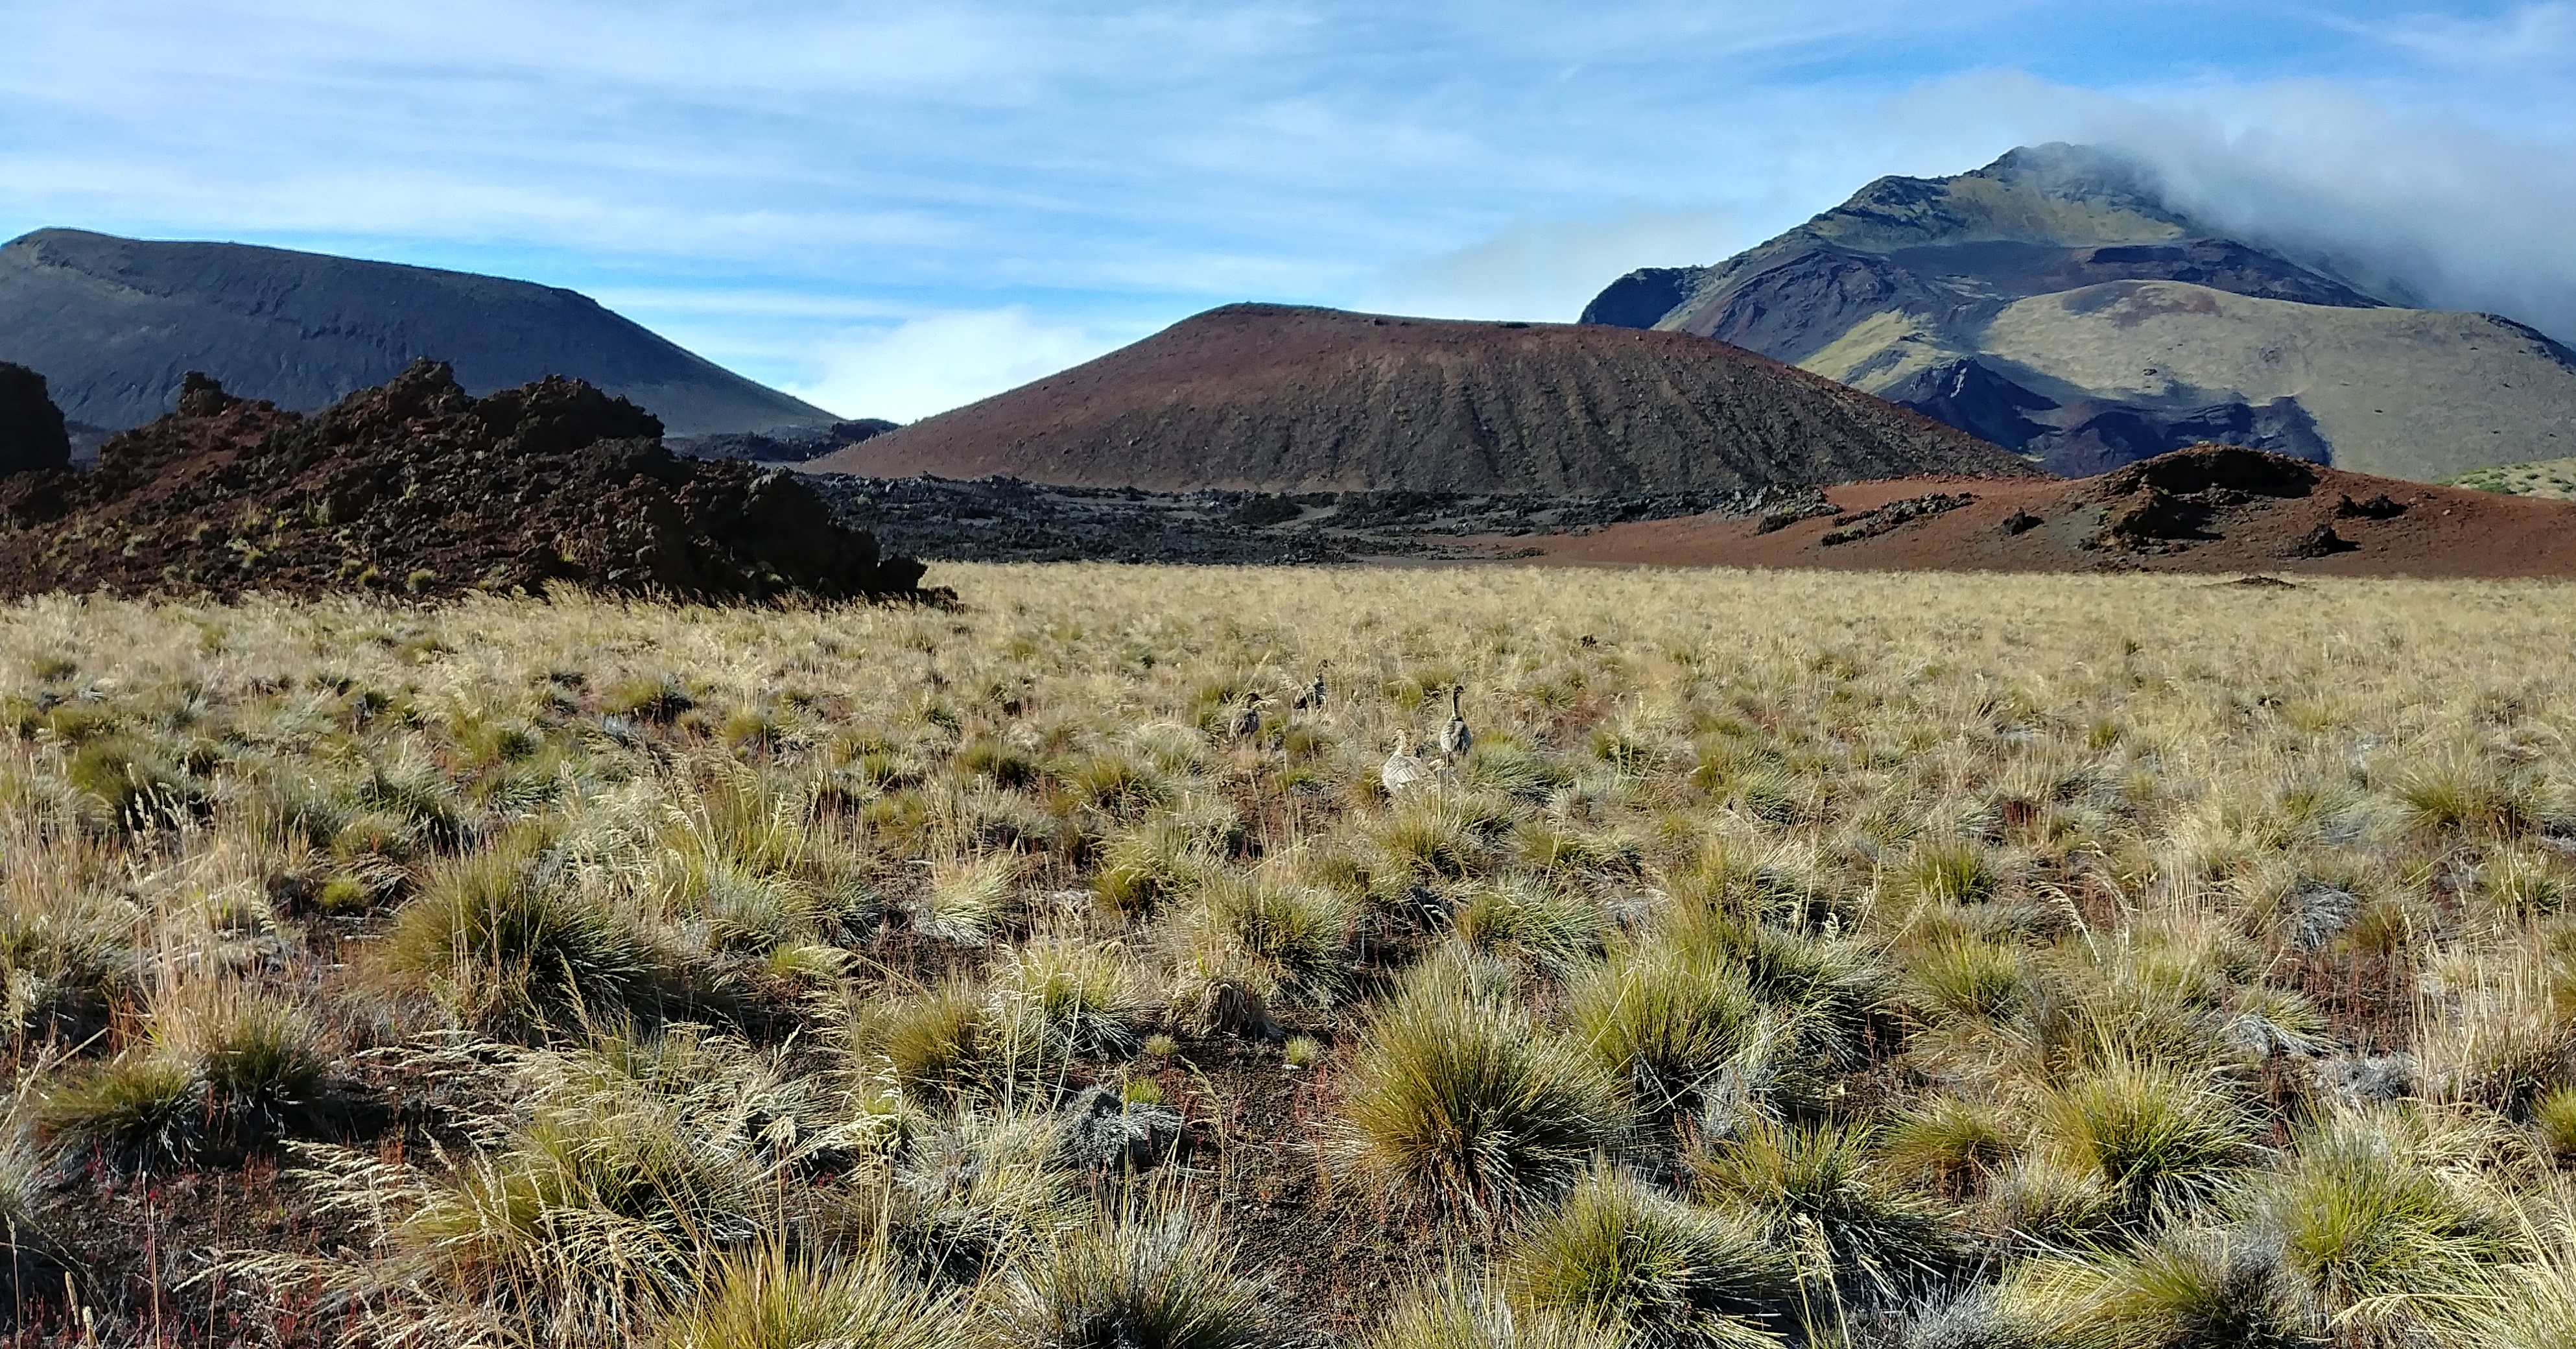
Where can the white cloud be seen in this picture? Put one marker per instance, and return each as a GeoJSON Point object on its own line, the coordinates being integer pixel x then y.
{"type": "Point", "coordinates": [939, 361]}
{"type": "Point", "coordinates": [2423, 207]}
{"type": "Point", "coordinates": [1549, 269]}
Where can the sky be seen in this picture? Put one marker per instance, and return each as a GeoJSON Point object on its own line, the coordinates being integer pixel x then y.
{"type": "Point", "coordinates": [894, 209]}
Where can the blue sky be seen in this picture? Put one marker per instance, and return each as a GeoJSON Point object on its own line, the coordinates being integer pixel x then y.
{"type": "Point", "coordinates": [892, 209]}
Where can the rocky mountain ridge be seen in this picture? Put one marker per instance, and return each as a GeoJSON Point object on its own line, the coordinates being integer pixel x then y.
{"type": "Point", "coordinates": [2054, 303]}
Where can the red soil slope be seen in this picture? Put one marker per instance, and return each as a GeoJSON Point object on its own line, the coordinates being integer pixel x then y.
{"type": "Point", "coordinates": [2212, 509]}
{"type": "Point", "coordinates": [1283, 399]}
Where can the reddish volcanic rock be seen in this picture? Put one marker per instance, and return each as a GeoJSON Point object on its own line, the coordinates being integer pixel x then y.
{"type": "Point", "coordinates": [2209, 509]}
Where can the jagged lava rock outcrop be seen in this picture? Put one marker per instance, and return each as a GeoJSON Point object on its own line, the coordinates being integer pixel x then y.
{"type": "Point", "coordinates": [419, 488]}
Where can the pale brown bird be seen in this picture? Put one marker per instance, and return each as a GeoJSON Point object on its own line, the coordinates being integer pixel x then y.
{"type": "Point", "coordinates": [1404, 770]}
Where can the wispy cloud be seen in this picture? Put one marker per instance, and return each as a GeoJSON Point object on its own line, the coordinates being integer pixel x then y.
{"type": "Point", "coordinates": [1549, 269]}
{"type": "Point", "coordinates": [2527, 37]}
{"type": "Point", "coordinates": [940, 361]}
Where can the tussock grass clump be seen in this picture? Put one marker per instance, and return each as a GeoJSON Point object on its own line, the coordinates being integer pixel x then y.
{"type": "Point", "coordinates": [975, 1195]}
{"type": "Point", "coordinates": [131, 786]}
{"type": "Point", "coordinates": [934, 1041]}
{"type": "Point", "coordinates": [65, 960]}
{"type": "Point", "coordinates": [1068, 1001]}
{"type": "Point", "coordinates": [659, 699]}
{"type": "Point", "coordinates": [1251, 947]}
{"type": "Point", "coordinates": [1818, 1186]}
{"type": "Point", "coordinates": [1530, 921]}
{"type": "Point", "coordinates": [2372, 1231]}
{"type": "Point", "coordinates": [260, 1058]}
{"type": "Point", "coordinates": [1955, 1144]}
{"type": "Point", "coordinates": [1655, 1269]}
{"type": "Point", "coordinates": [970, 902]}
{"type": "Point", "coordinates": [1965, 979]}
{"type": "Point", "coordinates": [2553, 1118]}
{"type": "Point", "coordinates": [1144, 868]}
{"type": "Point", "coordinates": [1663, 1018]}
{"type": "Point", "coordinates": [1459, 1100]}
{"type": "Point", "coordinates": [2154, 1136]}
{"type": "Point", "coordinates": [2461, 793]}
{"type": "Point", "coordinates": [770, 1299]}
{"type": "Point", "coordinates": [1953, 872]}
{"type": "Point", "coordinates": [505, 941]}
{"type": "Point", "coordinates": [1454, 1312]}
{"type": "Point", "coordinates": [224, 1066]}
{"type": "Point", "coordinates": [1116, 784]}
{"type": "Point", "coordinates": [1153, 1281]}
{"type": "Point", "coordinates": [2192, 1289]}
{"type": "Point", "coordinates": [136, 1110]}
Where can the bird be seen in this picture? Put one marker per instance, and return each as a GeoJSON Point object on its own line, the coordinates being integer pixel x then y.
{"type": "Point", "coordinates": [1403, 771]}
{"type": "Point", "coordinates": [1246, 721]}
{"type": "Point", "coordinates": [1455, 738]}
{"type": "Point", "coordinates": [1312, 700]}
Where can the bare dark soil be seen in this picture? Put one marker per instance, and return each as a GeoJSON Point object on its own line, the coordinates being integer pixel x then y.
{"type": "Point", "coordinates": [419, 488]}
{"type": "Point", "coordinates": [1262, 397]}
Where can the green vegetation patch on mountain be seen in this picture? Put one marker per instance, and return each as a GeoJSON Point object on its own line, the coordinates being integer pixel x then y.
{"type": "Point", "coordinates": [2554, 479]}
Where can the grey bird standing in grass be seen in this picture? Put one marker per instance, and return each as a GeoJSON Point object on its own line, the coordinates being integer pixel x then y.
{"type": "Point", "coordinates": [1312, 700]}
{"type": "Point", "coordinates": [1246, 721]}
{"type": "Point", "coordinates": [1455, 738]}
{"type": "Point", "coordinates": [1404, 771]}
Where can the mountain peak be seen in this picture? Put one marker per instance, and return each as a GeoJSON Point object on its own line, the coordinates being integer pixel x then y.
{"type": "Point", "coordinates": [2057, 196]}
{"type": "Point", "coordinates": [2056, 303]}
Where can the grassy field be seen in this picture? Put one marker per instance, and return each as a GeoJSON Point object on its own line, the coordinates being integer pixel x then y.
{"type": "Point", "coordinates": [1937, 961]}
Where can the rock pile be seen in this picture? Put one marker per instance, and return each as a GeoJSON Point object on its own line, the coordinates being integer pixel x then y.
{"type": "Point", "coordinates": [419, 488]}
{"type": "Point", "coordinates": [2175, 500]}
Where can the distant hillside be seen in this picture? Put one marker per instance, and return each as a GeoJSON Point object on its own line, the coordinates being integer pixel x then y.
{"type": "Point", "coordinates": [115, 325]}
{"type": "Point", "coordinates": [2053, 303]}
{"type": "Point", "coordinates": [1291, 399]}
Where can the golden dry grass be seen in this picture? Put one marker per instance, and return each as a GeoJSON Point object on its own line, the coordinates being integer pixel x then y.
{"type": "Point", "coordinates": [2086, 960]}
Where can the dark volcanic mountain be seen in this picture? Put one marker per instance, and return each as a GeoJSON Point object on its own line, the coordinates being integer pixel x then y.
{"type": "Point", "coordinates": [115, 325]}
{"type": "Point", "coordinates": [1291, 399]}
{"type": "Point", "coordinates": [2054, 303]}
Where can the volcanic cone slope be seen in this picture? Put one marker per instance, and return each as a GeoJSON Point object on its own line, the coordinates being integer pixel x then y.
{"type": "Point", "coordinates": [1295, 399]}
